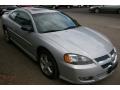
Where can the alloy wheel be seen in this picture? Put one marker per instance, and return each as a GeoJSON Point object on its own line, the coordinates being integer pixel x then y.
{"type": "Point", "coordinates": [6, 35]}
{"type": "Point", "coordinates": [46, 65]}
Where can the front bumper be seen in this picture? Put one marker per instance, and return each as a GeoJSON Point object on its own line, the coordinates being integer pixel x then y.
{"type": "Point", "coordinates": [84, 74]}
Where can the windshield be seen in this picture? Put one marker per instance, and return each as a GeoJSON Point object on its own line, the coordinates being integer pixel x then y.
{"type": "Point", "coordinates": [55, 21]}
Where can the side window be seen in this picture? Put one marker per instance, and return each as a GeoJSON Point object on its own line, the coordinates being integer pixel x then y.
{"type": "Point", "coordinates": [21, 18]}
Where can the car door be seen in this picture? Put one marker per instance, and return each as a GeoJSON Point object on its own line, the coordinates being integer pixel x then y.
{"type": "Point", "coordinates": [24, 38]}
{"type": "Point", "coordinates": [12, 26]}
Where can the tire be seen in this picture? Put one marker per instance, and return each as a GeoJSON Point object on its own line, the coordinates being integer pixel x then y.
{"type": "Point", "coordinates": [47, 64]}
{"type": "Point", "coordinates": [6, 34]}
{"type": "Point", "coordinates": [97, 10]}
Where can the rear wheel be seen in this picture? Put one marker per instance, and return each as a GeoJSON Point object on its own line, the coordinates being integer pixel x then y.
{"type": "Point", "coordinates": [6, 34]}
{"type": "Point", "coordinates": [47, 64]}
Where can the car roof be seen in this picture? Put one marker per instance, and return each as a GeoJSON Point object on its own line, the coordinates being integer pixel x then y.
{"type": "Point", "coordinates": [33, 10]}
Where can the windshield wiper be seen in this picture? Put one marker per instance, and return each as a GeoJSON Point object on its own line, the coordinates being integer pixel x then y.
{"type": "Point", "coordinates": [51, 31]}
{"type": "Point", "coordinates": [60, 30]}
{"type": "Point", "coordinates": [70, 27]}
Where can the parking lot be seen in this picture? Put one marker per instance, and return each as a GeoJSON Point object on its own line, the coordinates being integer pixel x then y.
{"type": "Point", "coordinates": [18, 68]}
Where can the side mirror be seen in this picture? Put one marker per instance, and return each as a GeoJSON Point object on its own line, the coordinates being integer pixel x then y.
{"type": "Point", "coordinates": [27, 28]}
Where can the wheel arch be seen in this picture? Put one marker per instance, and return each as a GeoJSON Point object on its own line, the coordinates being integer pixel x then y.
{"type": "Point", "coordinates": [44, 48]}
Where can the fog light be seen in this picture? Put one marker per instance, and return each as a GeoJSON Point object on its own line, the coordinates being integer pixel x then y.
{"type": "Point", "coordinates": [86, 78]}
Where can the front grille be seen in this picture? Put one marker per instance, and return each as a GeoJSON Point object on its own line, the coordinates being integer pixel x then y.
{"type": "Point", "coordinates": [102, 58]}
{"type": "Point", "coordinates": [106, 65]}
{"type": "Point", "coordinates": [106, 58]}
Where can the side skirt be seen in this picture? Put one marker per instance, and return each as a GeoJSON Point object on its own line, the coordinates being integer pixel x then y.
{"type": "Point", "coordinates": [32, 56]}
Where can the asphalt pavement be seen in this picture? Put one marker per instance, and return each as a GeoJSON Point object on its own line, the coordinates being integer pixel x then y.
{"type": "Point", "coordinates": [18, 68]}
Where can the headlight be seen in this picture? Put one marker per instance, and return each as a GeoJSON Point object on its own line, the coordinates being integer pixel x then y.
{"type": "Point", "coordinates": [77, 59]}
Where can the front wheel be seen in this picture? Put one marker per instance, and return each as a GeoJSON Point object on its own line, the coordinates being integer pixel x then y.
{"type": "Point", "coordinates": [47, 64]}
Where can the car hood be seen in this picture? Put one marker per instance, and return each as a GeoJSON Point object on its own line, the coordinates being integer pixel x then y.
{"type": "Point", "coordinates": [82, 40]}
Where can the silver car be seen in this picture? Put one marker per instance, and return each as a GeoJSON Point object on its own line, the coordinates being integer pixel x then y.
{"type": "Point", "coordinates": [61, 46]}
{"type": "Point", "coordinates": [105, 8]}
